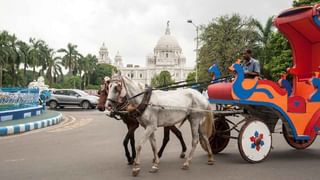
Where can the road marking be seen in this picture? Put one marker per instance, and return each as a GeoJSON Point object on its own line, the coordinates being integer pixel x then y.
{"type": "Point", "coordinates": [72, 124]}
{"type": "Point", "coordinates": [13, 160]}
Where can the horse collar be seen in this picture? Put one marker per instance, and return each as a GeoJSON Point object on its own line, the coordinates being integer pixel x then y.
{"type": "Point", "coordinates": [143, 105]}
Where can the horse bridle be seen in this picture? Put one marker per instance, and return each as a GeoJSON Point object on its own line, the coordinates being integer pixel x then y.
{"type": "Point", "coordinates": [121, 107]}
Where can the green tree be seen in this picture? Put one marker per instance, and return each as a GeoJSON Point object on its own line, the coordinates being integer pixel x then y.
{"type": "Point", "coordinates": [191, 76]}
{"type": "Point", "coordinates": [100, 72]}
{"type": "Point", "coordinates": [24, 49]}
{"type": "Point", "coordinates": [87, 66]}
{"type": "Point", "coordinates": [71, 81]}
{"type": "Point", "coordinates": [14, 58]}
{"type": "Point", "coordinates": [46, 53]}
{"type": "Point", "coordinates": [70, 59]}
{"type": "Point", "coordinates": [297, 3]}
{"type": "Point", "coordinates": [264, 37]}
{"type": "Point", "coordinates": [223, 39]}
{"type": "Point", "coordinates": [4, 53]}
{"type": "Point", "coordinates": [281, 57]}
{"type": "Point", "coordinates": [54, 69]}
{"type": "Point", "coordinates": [162, 79]}
{"type": "Point", "coordinates": [35, 54]}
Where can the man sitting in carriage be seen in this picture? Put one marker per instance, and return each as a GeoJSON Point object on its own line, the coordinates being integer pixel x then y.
{"type": "Point", "coordinates": [251, 66]}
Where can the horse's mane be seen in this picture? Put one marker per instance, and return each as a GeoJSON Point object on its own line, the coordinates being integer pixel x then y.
{"type": "Point", "coordinates": [140, 85]}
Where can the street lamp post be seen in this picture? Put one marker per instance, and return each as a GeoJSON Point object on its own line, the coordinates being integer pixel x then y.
{"type": "Point", "coordinates": [197, 46]}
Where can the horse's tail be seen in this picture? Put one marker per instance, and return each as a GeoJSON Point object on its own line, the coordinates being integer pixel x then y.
{"type": "Point", "coordinates": [206, 127]}
{"type": "Point", "coordinates": [207, 124]}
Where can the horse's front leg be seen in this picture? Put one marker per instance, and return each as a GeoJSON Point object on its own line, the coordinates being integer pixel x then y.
{"type": "Point", "coordinates": [195, 139]}
{"type": "Point", "coordinates": [125, 145]}
{"type": "Point", "coordinates": [177, 132]}
{"type": "Point", "coordinates": [155, 166]}
{"type": "Point", "coordinates": [136, 167]}
{"type": "Point", "coordinates": [132, 141]}
{"type": "Point", "coordinates": [166, 138]}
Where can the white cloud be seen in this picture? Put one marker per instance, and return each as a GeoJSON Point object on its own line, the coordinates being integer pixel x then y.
{"type": "Point", "coordinates": [132, 27]}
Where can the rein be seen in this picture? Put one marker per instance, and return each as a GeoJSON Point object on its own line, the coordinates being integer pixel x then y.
{"type": "Point", "coordinates": [122, 108]}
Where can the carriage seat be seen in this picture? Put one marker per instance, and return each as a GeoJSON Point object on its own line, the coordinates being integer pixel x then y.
{"type": "Point", "coordinates": [301, 76]}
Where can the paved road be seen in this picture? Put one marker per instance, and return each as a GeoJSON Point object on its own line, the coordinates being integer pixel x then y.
{"type": "Point", "coordinates": [87, 145]}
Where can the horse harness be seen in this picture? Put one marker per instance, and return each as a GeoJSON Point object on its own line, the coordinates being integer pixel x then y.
{"type": "Point", "coordinates": [128, 109]}
{"type": "Point", "coordinates": [143, 105]}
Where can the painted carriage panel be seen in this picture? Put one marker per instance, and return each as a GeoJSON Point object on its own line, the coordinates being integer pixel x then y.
{"type": "Point", "coordinates": [299, 105]}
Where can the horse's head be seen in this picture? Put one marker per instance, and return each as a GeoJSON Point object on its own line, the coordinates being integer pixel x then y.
{"type": "Point", "coordinates": [103, 94]}
{"type": "Point", "coordinates": [116, 92]}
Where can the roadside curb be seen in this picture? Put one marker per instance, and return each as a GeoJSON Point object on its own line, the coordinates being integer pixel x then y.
{"type": "Point", "coordinates": [20, 128]}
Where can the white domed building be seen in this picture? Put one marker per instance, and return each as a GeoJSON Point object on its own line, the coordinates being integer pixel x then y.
{"type": "Point", "coordinates": [167, 56]}
{"type": "Point", "coordinates": [104, 55]}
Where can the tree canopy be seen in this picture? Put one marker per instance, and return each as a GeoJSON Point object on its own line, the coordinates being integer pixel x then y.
{"type": "Point", "coordinates": [45, 61]}
{"type": "Point", "coordinates": [223, 39]}
{"type": "Point", "coordinates": [161, 79]}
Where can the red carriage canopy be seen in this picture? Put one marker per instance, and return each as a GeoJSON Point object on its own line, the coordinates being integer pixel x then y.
{"type": "Point", "coordinates": [301, 26]}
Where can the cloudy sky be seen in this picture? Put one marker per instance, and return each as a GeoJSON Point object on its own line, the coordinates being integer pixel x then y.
{"type": "Point", "coordinates": [131, 27]}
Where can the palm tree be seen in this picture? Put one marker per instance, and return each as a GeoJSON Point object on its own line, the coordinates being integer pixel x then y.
{"type": "Point", "coordinates": [92, 65]}
{"type": "Point", "coordinates": [24, 48]}
{"type": "Point", "coordinates": [4, 52]}
{"type": "Point", "coordinates": [14, 58]}
{"type": "Point", "coordinates": [70, 59]}
{"type": "Point", "coordinates": [35, 54]}
{"type": "Point", "coordinates": [45, 53]}
{"type": "Point", "coordinates": [264, 36]}
{"type": "Point", "coordinates": [53, 67]}
{"type": "Point", "coordinates": [87, 65]}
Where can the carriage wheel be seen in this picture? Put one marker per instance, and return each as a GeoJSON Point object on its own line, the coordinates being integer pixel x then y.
{"type": "Point", "coordinates": [220, 140]}
{"type": "Point", "coordinates": [296, 144]}
{"type": "Point", "coordinates": [254, 141]}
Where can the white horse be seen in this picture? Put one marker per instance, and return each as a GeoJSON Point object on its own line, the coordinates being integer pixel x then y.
{"type": "Point", "coordinates": [165, 108]}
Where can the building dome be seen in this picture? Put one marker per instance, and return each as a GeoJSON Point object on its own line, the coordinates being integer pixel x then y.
{"type": "Point", "coordinates": [103, 47]}
{"type": "Point", "coordinates": [167, 42]}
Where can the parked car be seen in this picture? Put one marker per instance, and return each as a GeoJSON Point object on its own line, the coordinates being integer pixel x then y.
{"type": "Point", "coordinates": [62, 97]}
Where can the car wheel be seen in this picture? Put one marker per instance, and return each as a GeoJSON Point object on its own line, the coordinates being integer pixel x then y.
{"type": "Point", "coordinates": [85, 105]}
{"type": "Point", "coordinates": [53, 104]}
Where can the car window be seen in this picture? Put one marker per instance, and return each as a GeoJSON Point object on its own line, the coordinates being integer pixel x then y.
{"type": "Point", "coordinates": [82, 93]}
{"type": "Point", "coordinates": [58, 92]}
{"type": "Point", "coordinates": [72, 93]}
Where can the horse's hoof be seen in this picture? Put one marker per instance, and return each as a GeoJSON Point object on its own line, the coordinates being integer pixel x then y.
{"type": "Point", "coordinates": [182, 155]}
{"type": "Point", "coordinates": [210, 162]}
{"type": "Point", "coordinates": [135, 172]}
{"type": "Point", "coordinates": [130, 162]}
{"type": "Point", "coordinates": [154, 169]}
{"type": "Point", "coordinates": [185, 167]}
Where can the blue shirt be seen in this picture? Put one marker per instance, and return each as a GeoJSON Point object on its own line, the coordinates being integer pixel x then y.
{"type": "Point", "coordinates": [252, 66]}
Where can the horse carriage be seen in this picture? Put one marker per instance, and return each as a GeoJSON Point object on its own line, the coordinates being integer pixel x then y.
{"type": "Point", "coordinates": [261, 102]}
{"type": "Point", "coordinates": [297, 104]}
